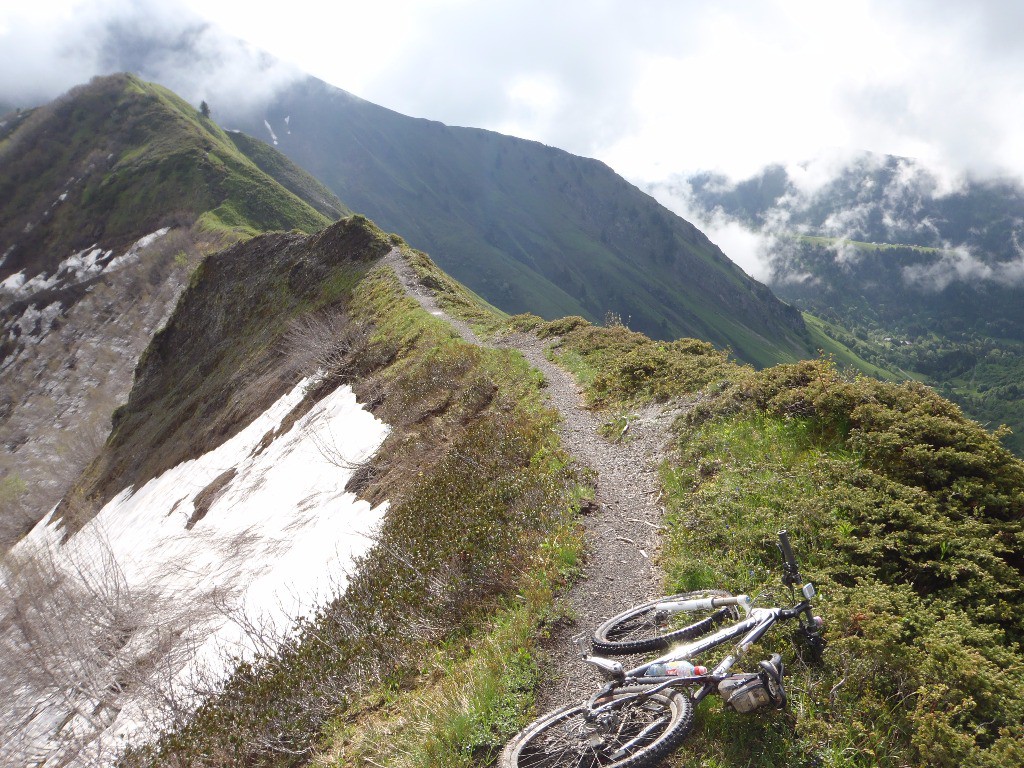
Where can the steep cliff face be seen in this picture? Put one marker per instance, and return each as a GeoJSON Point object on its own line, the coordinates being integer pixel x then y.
{"type": "Point", "coordinates": [235, 501]}
{"type": "Point", "coordinates": [111, 196]}
{"type": "Point", "coordinates": [220, 499]}
{"type": "Point", "coordinates": [222, 357]}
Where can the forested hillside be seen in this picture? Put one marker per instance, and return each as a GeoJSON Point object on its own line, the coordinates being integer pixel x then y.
{"type": "Point", "coordinates": [922, 278]}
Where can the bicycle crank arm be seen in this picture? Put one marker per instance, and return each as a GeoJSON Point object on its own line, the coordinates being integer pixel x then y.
{"type": "Point", "coordinates": [612, 670]}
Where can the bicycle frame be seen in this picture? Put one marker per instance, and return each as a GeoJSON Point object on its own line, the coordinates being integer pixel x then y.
{"type": "Point", "coordinates": [636, 718]}
{"type": "Point", "coordinates": [750, 629]}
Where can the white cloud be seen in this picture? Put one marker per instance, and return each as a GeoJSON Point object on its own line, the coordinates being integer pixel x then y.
{"type": "Point", "coordinates": [960, 264]}
{"type": "Point", "coordinates": [44, 52]}
{"type": "Point", "coordinates": [747, 248]}
{"type": "Point", "coordinates": [654, 89]}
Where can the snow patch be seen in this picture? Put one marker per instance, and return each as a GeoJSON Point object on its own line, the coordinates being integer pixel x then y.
{"type": "Point", "coordinates": [272, 134]}
{"type": "Point", "coordinates": [132, 254]}
{"type": "Point", "coordinates": [81, 265]}
{"type": "Point", "coordinates": [14, 282]}
{"type": "Point", "coordinates": [276, 539]}
{"type": "Point", "coordinates": [78, 267]}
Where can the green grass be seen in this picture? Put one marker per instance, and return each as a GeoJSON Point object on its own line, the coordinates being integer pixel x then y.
{"type": "Point", "coordinates": [290, 176]}
{"type": "Point", "coordinates": [617, 366]}
{"type": "Point", "coordinates": [824, 336]}
{"type": "Point", "coordinates": [137, 157]}
{"type": "Point", "coordinates": [469, 697]}
{"type": "Point", "coordinates": [455, 298]}
{"type": "Point", "coordinates": [907, 516]}
{"type": "Point", "coordinates": [533, 229]}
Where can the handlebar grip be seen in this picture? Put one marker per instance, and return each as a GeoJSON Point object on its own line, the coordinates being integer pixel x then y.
{"type": "Point", "coordinates": [787, 553]}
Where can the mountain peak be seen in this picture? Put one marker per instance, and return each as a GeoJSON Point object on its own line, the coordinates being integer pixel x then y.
{"type": "Point", "coordinates": [531, 228]}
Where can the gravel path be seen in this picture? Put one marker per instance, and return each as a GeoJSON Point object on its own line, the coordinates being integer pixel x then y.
{"type": "Point", "coordinates": [621, 528]}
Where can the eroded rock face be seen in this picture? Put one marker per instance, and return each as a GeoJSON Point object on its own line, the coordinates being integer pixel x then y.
{"type": "Point", "coordinates": [70, 343]}
{"type": "Point", "coordinates": [218, 362]}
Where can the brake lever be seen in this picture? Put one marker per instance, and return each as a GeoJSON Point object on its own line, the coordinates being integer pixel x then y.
{"type": "Point", "coordinates": [790, 570]}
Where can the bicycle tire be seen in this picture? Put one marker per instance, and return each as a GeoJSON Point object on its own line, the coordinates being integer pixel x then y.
{"type": "Point", "coordinates": [636, 630]}
{"type": "Point", "coordinates": [564, 739]}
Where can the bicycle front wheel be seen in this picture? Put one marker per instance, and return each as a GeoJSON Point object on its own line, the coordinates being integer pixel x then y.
{"type": "Point", "coordinates": [642, 731]}
{"type": "Point", "coordinates": [643, 629]}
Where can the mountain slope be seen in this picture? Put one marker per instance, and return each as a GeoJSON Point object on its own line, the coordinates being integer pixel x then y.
{"type": "Point", "coordinates": [124, 155]}
{"type": "Point", "coordinates": [110, 196]}
{"type": "Point", "coordinates": [528, 227]}
{"type": "Point", "coordinates": [218, 361]}
{"type": "Point", "coordinates": [206, 501]}
{"type": "Point", "coordinates": [876, 198]}
{"type": "Point", "coordinates": [290, 176]}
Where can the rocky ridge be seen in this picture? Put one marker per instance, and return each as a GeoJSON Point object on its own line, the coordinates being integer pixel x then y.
{"type": "Point", "coordinates": [621, 524]}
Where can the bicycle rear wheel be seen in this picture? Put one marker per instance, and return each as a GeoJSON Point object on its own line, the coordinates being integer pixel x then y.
{"type": "Point", "coordinates": [642, 628]}
{"type": "Point", "coordinates": [640, 732]}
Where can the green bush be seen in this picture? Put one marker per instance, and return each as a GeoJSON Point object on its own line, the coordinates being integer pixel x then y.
{"type": "Point", "coordinates": [620, 366]}
{"type": "Point", "coordinates": [908, 517]}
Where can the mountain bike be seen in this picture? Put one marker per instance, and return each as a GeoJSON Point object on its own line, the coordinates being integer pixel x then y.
{"type": "Point", "coordinates": [640, 715]}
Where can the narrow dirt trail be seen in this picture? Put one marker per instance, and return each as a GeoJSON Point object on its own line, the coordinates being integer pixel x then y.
{"type": "Point", "coordinates": [621, 528]}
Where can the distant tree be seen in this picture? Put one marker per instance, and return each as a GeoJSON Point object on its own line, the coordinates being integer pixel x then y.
{"type": "Point", "coordinates": [204, 109]}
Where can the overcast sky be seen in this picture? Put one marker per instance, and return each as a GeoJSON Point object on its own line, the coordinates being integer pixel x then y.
{"type": "Point", "coordinates": [652, 88]}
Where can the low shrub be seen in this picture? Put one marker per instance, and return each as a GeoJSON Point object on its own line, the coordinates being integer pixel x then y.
{"type": "Point", "coordinates": [620, 366]}
{"type": "Point", "coordinates": [907, 516]}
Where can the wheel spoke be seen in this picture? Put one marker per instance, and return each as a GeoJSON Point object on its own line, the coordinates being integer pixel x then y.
{"type": "Point", "coordinates": [631, 728]}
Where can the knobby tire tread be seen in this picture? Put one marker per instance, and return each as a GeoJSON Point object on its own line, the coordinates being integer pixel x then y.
{"type": "Point", "coordinates": [602, 644]}
{"type": "Point", "coordinates": [667, 742]}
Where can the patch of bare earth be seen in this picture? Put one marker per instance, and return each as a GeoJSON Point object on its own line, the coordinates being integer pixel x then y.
{"type": "Point", "coordinates": [621, 527]}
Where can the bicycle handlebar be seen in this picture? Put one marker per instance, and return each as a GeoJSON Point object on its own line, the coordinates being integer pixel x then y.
{"type": "Point", "coordinates": [791, 570]}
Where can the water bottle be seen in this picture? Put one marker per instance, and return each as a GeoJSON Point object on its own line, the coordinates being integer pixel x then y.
{"type": "Point", "coordinates": [680, 668]}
